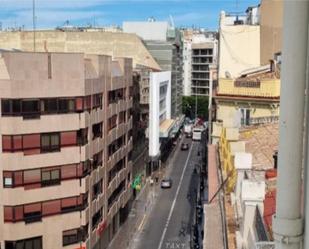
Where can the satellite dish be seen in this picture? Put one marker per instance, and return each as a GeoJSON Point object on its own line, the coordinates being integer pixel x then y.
{"type": "Point", "coordinates": [228, 75]}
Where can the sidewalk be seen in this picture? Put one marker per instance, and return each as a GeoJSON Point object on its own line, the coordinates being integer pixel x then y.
{"type": "Point", "coordinates": [141, 207]}
{"type": "Point", "coordinates": [126, 232]}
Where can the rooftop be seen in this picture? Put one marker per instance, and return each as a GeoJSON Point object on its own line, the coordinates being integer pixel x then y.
{"type": "Point", "coordinates": [262, 141]}
{"type": "Point", "coordinates": [116, 44]}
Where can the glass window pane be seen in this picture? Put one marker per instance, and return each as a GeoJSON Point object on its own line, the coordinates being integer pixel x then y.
{"type": "Point", "coordinates": [55, 174]}
{"type": "Point", "coordinates": [6, 106]}
{"type": "Point", "coordinates": [45, 140]}
{"type": "Point", "coordinates": [71, 105]}
{"type": "Point", "coordinates": [30, 106]}
{"type": "Point", "coordinates": [37, 243]}
{"type": "Point", "coordinates": [16, 106]}
{"type": "Point", "coordinates": [46, 176]}
{"type": "Point", "coordinates": [20, 245]}
{"type": "Point", "coordinates": [55, 140]}
{"type": "Point", "coordinates": [28, 244]}
{"type": "Point", "coordinates": [51, 105]}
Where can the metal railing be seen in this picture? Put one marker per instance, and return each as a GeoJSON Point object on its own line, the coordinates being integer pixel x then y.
{"type": "Point", "coordinates": [260, 120]}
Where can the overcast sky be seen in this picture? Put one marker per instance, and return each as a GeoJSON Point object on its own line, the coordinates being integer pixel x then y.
{"type": "Point", "coordinates": [53, 13]}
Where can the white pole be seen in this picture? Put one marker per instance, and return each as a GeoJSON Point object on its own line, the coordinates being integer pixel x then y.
{"type": "Point", "coordinates": [287, 223]}
{"type": "Point", "coordinates": [34, 23]}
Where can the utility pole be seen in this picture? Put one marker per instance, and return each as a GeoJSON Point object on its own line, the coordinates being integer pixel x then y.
{"type": "Point", "coordinates": [34, 23]}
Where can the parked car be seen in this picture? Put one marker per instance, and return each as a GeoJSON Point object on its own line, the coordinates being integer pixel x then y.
{"type": "Point", "coordinates": [184, 146]}
{"type": "Point", "coordinates": [189, 135]}
{"type": "Point", "coordinates": [166, 183]}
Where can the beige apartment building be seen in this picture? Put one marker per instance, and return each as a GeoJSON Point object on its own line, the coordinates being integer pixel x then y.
{"type": "Point", "coordinates": [66, 138]}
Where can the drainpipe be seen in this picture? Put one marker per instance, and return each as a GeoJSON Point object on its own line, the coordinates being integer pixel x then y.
{"type": "Point", "coordinates": [287, 223]}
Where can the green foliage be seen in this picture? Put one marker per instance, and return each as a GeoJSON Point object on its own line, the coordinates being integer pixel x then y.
{"type": "Point", "coordinates": [188, 106]}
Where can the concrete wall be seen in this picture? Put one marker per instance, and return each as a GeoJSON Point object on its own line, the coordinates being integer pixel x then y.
{"type": "Point", "coordinates": [239, 48]}
{"type": "Point", "coordinates": [228, 111]}
{"type": "Point", "coordinates": [158, 80]}
{"type": "Point", "coordinates": [271, 28]}
{"type": "Point", "coordinates": [107, 43]}
{"type": "Point", "coordinates": [147, 30]}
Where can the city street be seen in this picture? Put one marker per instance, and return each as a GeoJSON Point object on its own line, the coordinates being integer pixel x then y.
{"type": "Point", "coordinates": [168, 225]}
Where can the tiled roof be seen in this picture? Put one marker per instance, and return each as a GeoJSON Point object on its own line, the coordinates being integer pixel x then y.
{"type": "Point", "coordinates": [262, 141]}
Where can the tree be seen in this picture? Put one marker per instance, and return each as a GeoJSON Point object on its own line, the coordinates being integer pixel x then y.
{"type": "Point", "coordinates": [188, 106]}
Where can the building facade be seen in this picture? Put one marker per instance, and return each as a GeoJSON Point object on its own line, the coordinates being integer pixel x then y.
{"type": "Point", "coordinates": [66, 140]}
{"type": "Point", "coordinates": [200, 54]}
{"type": "Point", "coordinates": [253, 98]}
{"type": "Point", "coordinates": [164, 43]}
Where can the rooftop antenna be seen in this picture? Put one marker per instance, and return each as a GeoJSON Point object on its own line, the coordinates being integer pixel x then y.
{"type": "Point", "coordinates": [34, 24]}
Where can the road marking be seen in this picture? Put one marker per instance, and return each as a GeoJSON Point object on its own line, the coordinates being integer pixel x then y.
{"type": "Point", "coordinates": [174, 201]}
{"type": "Point", "coordinates": [142, 223]}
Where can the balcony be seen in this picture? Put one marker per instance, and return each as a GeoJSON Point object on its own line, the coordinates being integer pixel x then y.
{"type": "Point", "coordinates": [269, 88]}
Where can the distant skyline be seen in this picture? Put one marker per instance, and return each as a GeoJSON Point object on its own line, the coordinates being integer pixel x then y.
{"type": "Point", "coordinates": [53, 13]}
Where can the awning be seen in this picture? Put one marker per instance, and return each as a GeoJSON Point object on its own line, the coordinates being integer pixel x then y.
{"type": "Point", "coordinates": [166, 126]}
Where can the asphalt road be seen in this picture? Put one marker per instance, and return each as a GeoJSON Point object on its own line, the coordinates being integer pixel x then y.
{"type": "Point", "coordinates": [168, 225]}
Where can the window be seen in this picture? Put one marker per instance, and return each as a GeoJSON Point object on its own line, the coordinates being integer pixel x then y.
{"type": "Point", "coordinates": [116, 145]}
{"type": "Point", "coordinates": [69, 204]}
{"type": "Point", "coordinates": [114, 196]}
{"type": "Point", "coordinates": [49, 106]}
{"type": "Point", "coordinates": [245, 116]}
{"type": "Point", "coordinates": [30, 107]}
{"type": "Point", "coordinates": [6, 106]}
{"type": "Point", "coordinates": [97, 159]}
{"type": "Point", "coordinates": [32, 176]}
{"type": "Point", "coordinates": [97, 100]}
{"type": "Point", "coordinates": [112, 122]}
{"type": "Point", "coordinates": [51, 207]}
{"type": "Point", "coordinates": [96, 218]}
{"type": "Point", "coordinates": [82, 137]}
{"type": "Point", "coordinates": [112, 97]}
{"type": "Point", "coordinates": [122, 117]}
{"type": "Point", "coordinates": [69, 171]}
{"type": "Point", "coordinates": [97, 130]}
{"type": "Point", "coordinates": [66, 105]}
{"type": "Point", "coordinates": [97, 189]}
{"type": "Point", "coordinates": [50, 142]}
{"type": "Point", "coordinates": [33, 212]}
{"type": "Point", "coordinates": [72, 236]}
{"type": "Point", "coordinates": [50, 177]}
{"type": "Point", "coordinates": [69, 138]}
{"type": "Point", "coordinates": [32, 243]}
{"type": "Point", "coordinates": [116, 169]}
{"type": "Point", "coordinates": [8, 179]}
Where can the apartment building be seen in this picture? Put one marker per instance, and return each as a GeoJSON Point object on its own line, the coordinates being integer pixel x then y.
{"type": "Point", "coordinates": [199, 61]}
{"type": "Point", "coordinates": [66, 141]}
{"type": "Point", "coordinates": [204, 56]}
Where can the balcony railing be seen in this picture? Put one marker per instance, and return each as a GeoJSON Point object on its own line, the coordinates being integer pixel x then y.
{"type": "Point", "coordinates": [264, 120]}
